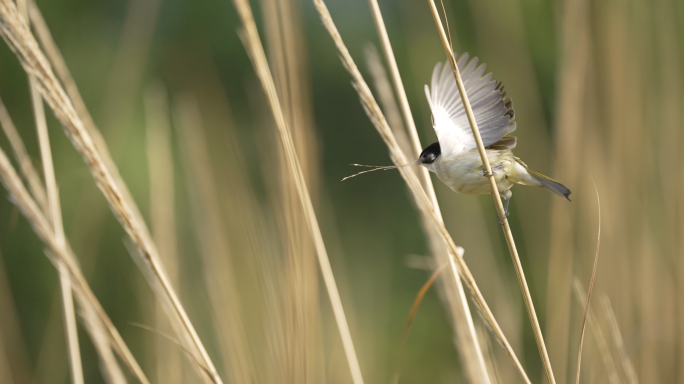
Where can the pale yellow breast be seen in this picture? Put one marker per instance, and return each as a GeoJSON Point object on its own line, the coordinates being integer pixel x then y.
{"type": "Point", "coordinates": [464, 174]}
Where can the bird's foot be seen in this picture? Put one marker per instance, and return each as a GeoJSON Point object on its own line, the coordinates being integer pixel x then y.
{"type": "Point", "coordinates": [485, 174]}
{"type": "Point", "coordinates": [506, 212]}
{"type": "Point", "coordinates": [505, 216]}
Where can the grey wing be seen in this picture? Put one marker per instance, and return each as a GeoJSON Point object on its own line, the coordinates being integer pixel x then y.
{"type": "Point", "coordinates": [493, 110]}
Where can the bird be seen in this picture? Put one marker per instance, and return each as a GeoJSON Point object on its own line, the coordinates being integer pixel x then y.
{"type": "Point", "coordinates": [454, 158]}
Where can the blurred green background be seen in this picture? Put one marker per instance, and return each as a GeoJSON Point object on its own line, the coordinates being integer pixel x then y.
{"type": "Point", "coordinates": [597, 88]}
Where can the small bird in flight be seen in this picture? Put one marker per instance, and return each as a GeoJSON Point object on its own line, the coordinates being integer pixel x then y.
{"type": "Point", "coordinates": [455, 158]}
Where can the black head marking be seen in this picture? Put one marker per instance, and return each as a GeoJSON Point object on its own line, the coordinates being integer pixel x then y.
{"type": "Point", "coordinates": [430, 154]}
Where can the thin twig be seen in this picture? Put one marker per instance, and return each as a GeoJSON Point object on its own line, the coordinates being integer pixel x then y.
{"type": "Point", "coordinates": [539, 338]}
{"type": "Point", "coordinates": [256, 51]}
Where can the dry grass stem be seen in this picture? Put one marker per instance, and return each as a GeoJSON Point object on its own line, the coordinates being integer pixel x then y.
{"type": "Point", "coordinates": [422, 200]}
{"type": "Point", "coordinates": [54, 212]}
{"type": "Point", "coordinates": [256, 51]}
{"type": "Point", "coordinates": [162, 214]}
{"type": "Point", "coordinates": [28, 171]}
{"type": "Point", "coordinates": [219, 275]}
{"type": "Point", "coordinates": [626, 363]}
{"type": "Point", "coordinates": [62, 71]}
{"type": "Point", "coordinates": [110, 366]}
{"type": "Point", "coordinates": [468, 344]}
{"type": "Point", "coordinates": [412, 314]}
{"type": "Point", "coordinates": [591, 287]}
{"type": "Point", "coordinates": [538, 336]}
{"type": "Point", "coordinates": [383, 88]}
{"type": "Point", "coordinates": [570, 112]}
{"type": "Point", "coordinates": [61, 253]}
{"type": "Point", "coordinates": [288, 63]}
{"type": "Point", "coordinates": [599, 336]}
{"type": "Point", "coordinates": [22, 42]}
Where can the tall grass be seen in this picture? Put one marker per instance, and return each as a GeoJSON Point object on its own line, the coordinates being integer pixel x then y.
{"type": "Point", "coordinates": [598, 93]}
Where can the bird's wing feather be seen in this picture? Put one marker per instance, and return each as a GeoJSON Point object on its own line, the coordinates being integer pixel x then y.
{"type": "Point", "coordinates": [493, 110]}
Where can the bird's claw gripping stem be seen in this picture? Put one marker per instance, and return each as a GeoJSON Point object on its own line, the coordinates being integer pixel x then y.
{"type": "Point", "coordinates": [485, 174]}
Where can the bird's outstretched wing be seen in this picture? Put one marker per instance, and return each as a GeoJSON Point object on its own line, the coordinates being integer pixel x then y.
{"type": "Point", "coordinates": [493, 110]}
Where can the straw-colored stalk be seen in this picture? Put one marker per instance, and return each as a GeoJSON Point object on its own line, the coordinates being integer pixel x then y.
{"type": "Point", "coordinates": [253, 45]}
{"type": "Point", "coordinates": [162, 215]}
{"type": "Point", "coordinates": [215, 251]}
{"type": "Point", "coordinates": [54, 212]}
{"type": "Point", "coordinates": [28, 171]}
{"type": "Point", "coordinates": [591, 288]}
{"type": "Point", "coordinates": [111, 370]}
{"type": "Point", "coordinates": [575, 42]}
{"type": "Point", "coordinates": [422, 200]}
{"type": "Point", "coordinates": [599, 336]}
{"type": "Point", "coordinates": [468, 344]}
{"type": "Point", "coordinates": [383, 88]}
{"type": "Point", "coordinates": [62, 253]}
{"type": "Point", "coordinates": [287, 61]}
{"type": "Point", "coordinates": [24, 45]}
{"type": "Point", "coordinates": [539, 338]}
{"type": "Point", "coordinates": [619, 344]}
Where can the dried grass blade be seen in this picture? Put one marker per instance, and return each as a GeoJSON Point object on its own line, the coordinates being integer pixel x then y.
{"type": "Point", "coordinates": [256, 51]}
{"type": "Point", "coordinates": [23, 159]}
{"type": "Point", "coordinates": [467, 342]}
{"type": "Point", "coordinates": [162, 215]}
{"type": "Point", "coordinates": [215, 250]}
{"type": "Point", "coordinates": [538, 336]}
{"type": "Point", "coordinates": [57, 225]}
{"type": "Point", "coordinates": [422, 200]}
{"type": "Point", "coordinates": [24, 45]}
{"type": "Point", "coordinates": [591, 286]}
{"type": "Point", "coordinates": [412, 314]}
{"type": "Point", "coordinates": [599, 336]}
{"type": "Point", "coordinates": [85, 297]}
{"type": "Point", "coordinates": [627, 365]}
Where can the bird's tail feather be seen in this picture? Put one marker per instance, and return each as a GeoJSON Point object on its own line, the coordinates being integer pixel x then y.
{"type": "Point", "coordinates": [551, 185]}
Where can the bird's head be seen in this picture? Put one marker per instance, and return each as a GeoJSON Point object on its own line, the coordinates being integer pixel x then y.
{"type": "Point", "coordinates": [429, 155]}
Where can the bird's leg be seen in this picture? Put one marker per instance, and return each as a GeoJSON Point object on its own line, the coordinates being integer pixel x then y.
{"type": "Point", "coordinates": [485, 174]}
{"type": "Point", "coordinates": [506, 213]}
{"type": "Point", "coordinates": [508, 200]}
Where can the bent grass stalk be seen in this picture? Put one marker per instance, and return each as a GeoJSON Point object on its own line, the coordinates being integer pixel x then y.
{"type": "Point", "coordinates": [62, 253]}
{"type": "Point", "coordinates": [539, 338]}
{"type": "Point", "coordinates": [250, 37]}
{"type": "Point", "coordinates": [468, 344]}
{"type": "Point", "coordinates": [25, 47]}
{"type": "Point", "coordinates": [422, 200]}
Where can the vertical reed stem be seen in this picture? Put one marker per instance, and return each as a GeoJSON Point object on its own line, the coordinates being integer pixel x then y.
{"type": "Point", "coordinates": [56, 216]}
{"type": "Point", "coordinates": [539, 338]}
{"type": "Point", "coordinates": [252, 42]}
{"type": "Point", "coordinates": [468, 342]}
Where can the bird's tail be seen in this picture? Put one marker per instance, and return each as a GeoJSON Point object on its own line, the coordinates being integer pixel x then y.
{"type": "Point", "coordinates": [551, 185]}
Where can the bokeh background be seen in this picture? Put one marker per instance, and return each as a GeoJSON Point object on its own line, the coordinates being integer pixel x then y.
{"type": "Point", "coordinates": [598, 93]}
